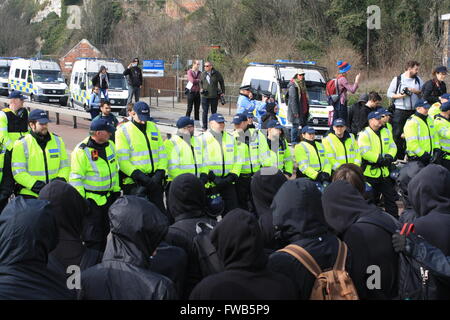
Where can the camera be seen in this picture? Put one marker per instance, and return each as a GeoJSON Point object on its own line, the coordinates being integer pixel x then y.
{"type": "Point", "coordinates": [406, 91]}
{"type": "Point", "coordinates": [204, 92]}
{"type": "Point", "coordinates": [222, 98]}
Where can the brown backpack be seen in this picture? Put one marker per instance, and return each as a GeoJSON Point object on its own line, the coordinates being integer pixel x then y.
{"type": "Point", "coordinates": [334, 284]}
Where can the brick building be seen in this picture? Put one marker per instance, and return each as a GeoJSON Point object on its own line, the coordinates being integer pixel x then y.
{"type": "Point", "coordinates": [83, 49]}
{"type": "Point", "coordinates": [178, 8]}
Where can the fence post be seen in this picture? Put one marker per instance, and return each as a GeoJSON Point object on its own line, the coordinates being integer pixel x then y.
{"type": "Point", "coordinates": [157, 98]}
{"type": "Point", "coordinates": [57, 118]}
{"type": "Point", "coordinates": [173, 100]}
{"type": "Point", "coordinates": [74, 122]}
{"type": "Point", "coordinates": [229, 106]}
{"type": "Point", "coordinates": [150, 96]}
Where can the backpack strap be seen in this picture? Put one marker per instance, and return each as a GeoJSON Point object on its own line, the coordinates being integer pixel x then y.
{"type": "Point", "coordinates": [304, 258]}
{"type": "Point", "coordinates": [341, 257]}
{"type": "Point", "coordinates": [399, 79]}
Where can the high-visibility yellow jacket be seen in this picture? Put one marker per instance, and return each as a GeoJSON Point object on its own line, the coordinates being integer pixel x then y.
{"type": "Point", "coordinates": [94, 179]}
{"type": "Point", "coordinates": [183, 157]}
{"type": "Point", "coordinates": [371, 146]}
{"type": "Point", "coordinates": [281, 156]}
{"type": "Point", "coordinates": [255, 150]}
{"type": "Point", "coordinates": [442, 127]}
{"type": "Point", "coordinates": [420, 136]}
{"type": "Point", "coordinates": [311, 160]}
{"type": "Point", "coordinates": [434, 110]}
{"type": "Point", "coordinates": [339, 153]}
{"type": "Point", "coordinates": [139, 151]}
{"type": "Point", "coordinates": [12, 127]}
{"type": "Point", "coordinates": [30, 163]}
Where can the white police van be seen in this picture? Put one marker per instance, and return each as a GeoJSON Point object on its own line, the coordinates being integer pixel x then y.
{"type": "Point", "coordinates": [84, 69]}
{"type": "Point", "coordinates": [39, 80]}
{"type": "Point", "coordinates": [5, 64]}
{"type": "Point", "coordinates": [275, 77]}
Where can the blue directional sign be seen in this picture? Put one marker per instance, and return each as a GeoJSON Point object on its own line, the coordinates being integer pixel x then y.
{"type": "Point", "coordinates": [153, 68]}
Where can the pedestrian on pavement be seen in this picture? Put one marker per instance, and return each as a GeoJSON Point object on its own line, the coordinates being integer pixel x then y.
{"type": "Point", "coordinates": [193, 96]}
{"type": "Point", "coordinates": [353, 113]}
{"type": "Point", "coordinates": [435, 87]}
{"type": "Point", "coordinates": [13, 120]}
{"type": "Point", "coordinates": [340, 108]}
{"type": "Point", "coordinates": [95, 175]}
{"type": "Point", "coordinates": [135, 80]}
{"type": "Point", "coordinates": [95, 101]}
{"type": "Point", "coordinates": [405, 91]}
{"type": "Point", "coordinates": [238, 240]}
{"type": "Point", "coordinates": [101, 80]}
{"type": "Point", "coordinates": [39, 157]}
{"type": "Point", "coordinates": [210, 81]}
{"type": "Point", "coordinates": [137, 228]}
{"type": "Point", "coordinates": [298, 104]}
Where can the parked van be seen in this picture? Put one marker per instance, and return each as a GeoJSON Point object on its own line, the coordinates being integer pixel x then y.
{"type": "Point", "coordinates": [39, 80]}
{"type": "Point", "coordinates": [275, 78]}
{"type": "Point", "coordinates": [84, 69]}
{"type": "Point", "coordinates": [5, 64]}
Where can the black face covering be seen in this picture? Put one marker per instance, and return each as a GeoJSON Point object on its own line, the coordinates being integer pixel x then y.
{"type": "Point", "coordinates": [187, 197]}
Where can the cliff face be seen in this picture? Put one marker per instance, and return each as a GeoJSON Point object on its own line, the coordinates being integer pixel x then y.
{"type": "Point", "coordinates": [48, 7]}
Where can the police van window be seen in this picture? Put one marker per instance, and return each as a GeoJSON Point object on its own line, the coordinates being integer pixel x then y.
{"type": "Point", "coordinates": [24, 74]}
{"type": "Point", "coordinates": [274, 88]}
{"type": "Point", "coordinates": [17, 73]}
{"type": "Point", "coordinates": [75, 80]}
{"type": "Point", "coordinates": [260, 84]}
{"type": "Point", "coordinates": [4, 72]}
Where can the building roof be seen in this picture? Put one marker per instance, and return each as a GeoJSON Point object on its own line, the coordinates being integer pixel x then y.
{"type": "Point", "coordinates": [78, 44]}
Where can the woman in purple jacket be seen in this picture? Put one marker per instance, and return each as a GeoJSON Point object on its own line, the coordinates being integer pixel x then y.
{"type": "Point", "coordinates": [193, 96]}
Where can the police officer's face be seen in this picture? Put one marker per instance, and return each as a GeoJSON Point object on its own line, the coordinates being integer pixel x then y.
{"type": "Point", "coordinates": [423, 110]}
{"type": "Point", "coordinates": [136, 118]}
{"type": "Point", "coordinates": [241, 126]}
{"type": "Point", "coordinates": [375, 124]}
{"type": "Point", "coordinates": [442, 100]}
{"type": "Point", "coordinates": [309, 136]}
{"type": "Point", "coordinates": [190, 129]}
{"type": "Point", "coordinates": [384, 120]}
{"type": "Point", "coordinates": [217, 126]}
{"type": "Point", "coordinates": [39, 128]}
{"type": "Point", "coordinates": [17, 103]}
{"type": "Point", "coordinates": [339, 130]}
{"type": "Point", "coordinates": [102, 136]}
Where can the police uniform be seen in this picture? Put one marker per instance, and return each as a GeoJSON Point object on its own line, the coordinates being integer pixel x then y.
{"type": "Point", "coordinates": [13, 125]}
{"type": "Point", "coordinates": [280, 153]}
{"type": "Point", "coordinates": [442, 127]}
{"type": "Point", "coordinates": [95, 174]}
{"type": "Point", "coordinates": [37, 160]}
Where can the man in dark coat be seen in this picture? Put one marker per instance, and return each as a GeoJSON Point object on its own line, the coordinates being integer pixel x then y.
{"type": "Point", "coordinates": [238, 241]}
{"type": "Point", "coordinates": [187, 206]}
{"type": "Point", "coordinates": [298, 105]}
{"type": "Point", "coordinates": [429, 193]}
{"type": "Point", "coordinates": [369, 244]}
{"type": "Point", "coordinates": [135, 80]}
{"type": "Point", "coordinates": [137, 228]}
{"type": "Point", "coordinates": [298, 219]}
{"type": "Point", "coordinates": [264, 189]}
{"type": "Point", "coordinates": [28, 232]}
{"type": "Point", "coordinates": [69, 208]}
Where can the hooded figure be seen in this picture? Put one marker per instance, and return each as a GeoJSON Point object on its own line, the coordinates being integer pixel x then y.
{"type": "Point", "coordinates": [137, 228]}
{"type": "Point", "coordinates": [298, 219]}
{"type": "Point", "coordinates": [238, 241]}
{"type": "Point", "coordinates": [28, 232]}
{"type": "Point", "coordinates": [187, 206]}
{"type": "Point", "coordinates": [264, 188]}
{"type": "Point", "coordinates": [429, 193]}
{"type": "Point", "coordinates": [406, 174]}
{"type": "Point", "coordinates": [269, 115]}
{"type": "Point", "coordinates": [69, 208]}
{"type": "Point", "coordinates": [369, 244]}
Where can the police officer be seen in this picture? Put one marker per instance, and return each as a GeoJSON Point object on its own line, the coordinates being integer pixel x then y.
{"type": "Point", "coordinates": [310, 157]}
{"type": "Point", "coordinates": [436, 107]}
{"type": "Point", "coordinates": [420, 136]}
{"type": "Point", "coordinates": [38, 157]}
{"type": "Point", "coordinates": [378, 151]}
{"type": "Point", "coordinates": [142, 156]}
{"type": "Point", "coordinates": [221, 160]}
{"type": "Point", "coordinates": [13, 120]}
{"type": "Point", "coordinates": [246, 103]}
{"type": "Point", "coordinates": [95, 174]}
{"type": "Point", "coordinates": [255, 151]}
{"type": "Point", "coordinates": [250, 120]}
{"type": "Point", "coordinates": [280, 153]}
{"type": "Point", "coordinates": [341, 146]}
{"type": "Point", "coordinates": [442, 126]}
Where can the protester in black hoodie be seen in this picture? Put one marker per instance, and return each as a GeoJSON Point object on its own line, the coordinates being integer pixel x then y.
{"type": "Point", "coordinates": [298, 219]}
{"type": "Point", "coordinates": [137, 227]}
{"type": "Point", "coordinates": [28, 232]}
{"type": "Point", "coordinates": [264, 188]}
{"type": "Point", "coordinates": [271, 114]}
{"type": "Point", "coordinates": [369, 244]}
{"type": "Point", "coordinates": [406, 174]}
{"type": "Point", "coordinates": [187, 206]}
{"type": "Point", "coordinates": [429, 193]}
{"type": "Point", "coordinates": [238, 241]}
{"type": "Point", "coordinates": [69, 209]}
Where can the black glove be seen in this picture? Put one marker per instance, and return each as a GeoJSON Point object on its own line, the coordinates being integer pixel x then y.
{"type": "Point", "coordinates": [425, 158]}
{"type": "Point", "coordinates": [37, 186]}
{"type": "Point", "coordinates": [438, 156]}
{"type": "Point", "coordinates": [115, 195]}
{"type": "Point", "coordinates": [323, 177]}
{"type": "Point", "coordinates": [141, 178]}
{"type": "Point", "coordinates": [158, 177]}
{"type": "Point", "coordinates": [204, 178]}
{"type": "Point", "coordinates": [379, 160]}
{"type": "Point", "coordinates": [387, 160]}
{"type": "Point", "coordinates": [401, 243]}
{"type": "Point", "coordinates": [211, 176]}
{"type": "Point", "coordinates": [230, 178]}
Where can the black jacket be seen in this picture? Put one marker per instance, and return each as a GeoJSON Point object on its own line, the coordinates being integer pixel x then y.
{"type": "Point", "coordinates": [358, 117]}
{"type": "Point", "coordinates": [264, 189]}
{"type": "Point", "coordinates": [407, 172]}
{"type": "Point", "coordinates": [28, 232]}
{"type": "Point", "coordinates": [246, 277]}
{"type": "Point", "coordinates": [211, 90]}
{"type": "Point", "coordinates": [429, 193]}
{"type": "Point", "coordinates": [187, 207]}
{"type": "Point", "coordinates": [298, 219]}
{"type": "Point", "coordinates": [431, 91]}
{"type": "Point", "coordinates": [369, 245]}
{"type": "Point", "coordinates": [134, 76]}
{"type": "Point", "coordinates": [69, 209]}
{"type": "Point", "coordinates": [137, 227]}
{"type": "Point", "coordinates": [269, 115]}
{"type": "Point", "coordinates": [96, 81]}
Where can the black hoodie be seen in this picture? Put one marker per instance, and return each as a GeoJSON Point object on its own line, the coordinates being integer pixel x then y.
{"type": "Point", "coordinates": [69, 209]}
{"type": "Point", "coordinates": [429, 193]}
{"type": "Point", "coordinates": [298, 219]}
{"type": "Point", "coordinates": [264, 189]}
{"type": "Point", "coordinates": [187, 206]}
{"type": "Point", "coordinates": [406, 174]}
{"type": "Point", "coordinates": [137, 228]}
{"type": "Point", "coordinates": [369, 245]}
{"type": "Point", "coordinates": [238, 241]}
{"type": "Point", "coordinates": [28, 232]}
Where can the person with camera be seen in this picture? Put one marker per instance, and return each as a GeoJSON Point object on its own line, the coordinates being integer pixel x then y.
{"type": "Point", "coordinates": [298, 106]}
{"type": "Point", "coordinates": [246, 102]}
{"type": "Point", "coordinates": [210, 80]}
{"type": "Point", "coordinates": [193, 94]}
{"type": "Point", "coordinates": [135, 80]}
{"type": "Point", "coordinates": [404, 91]}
